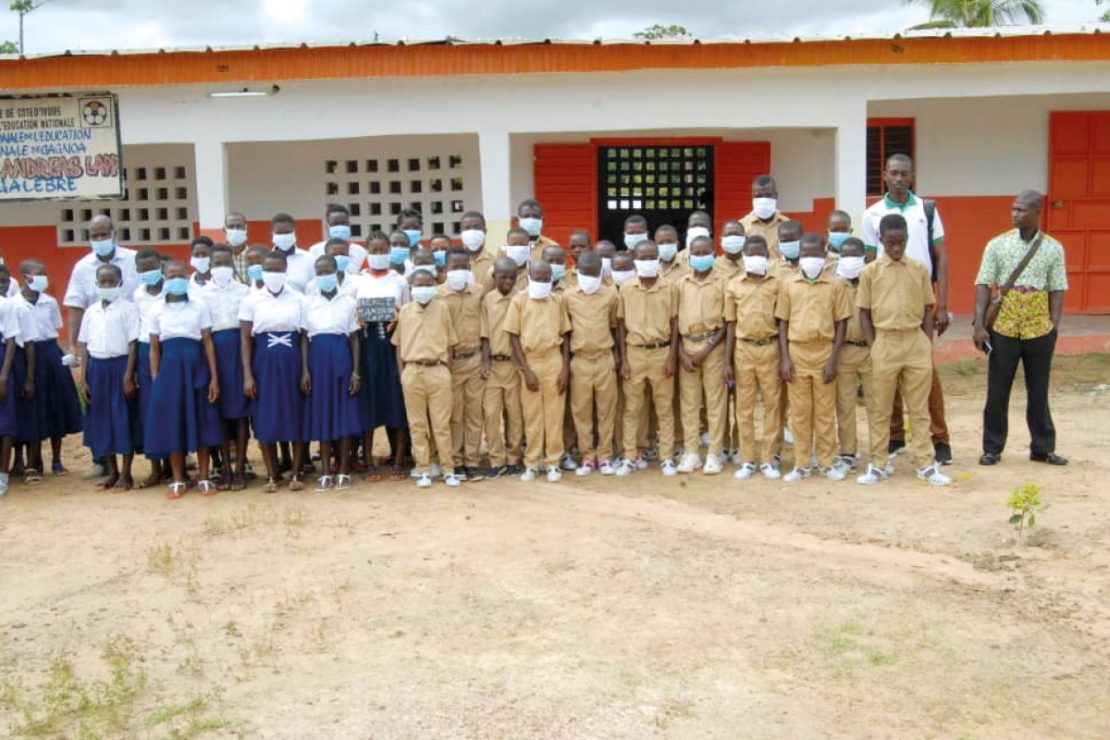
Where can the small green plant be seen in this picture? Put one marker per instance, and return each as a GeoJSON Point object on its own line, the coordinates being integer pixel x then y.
{"type": "Point", "coordinates": [1024, 503]}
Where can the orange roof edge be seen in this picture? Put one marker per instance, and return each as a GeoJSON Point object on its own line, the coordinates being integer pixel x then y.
{"type": "Point", "coordinates": [342, 62]}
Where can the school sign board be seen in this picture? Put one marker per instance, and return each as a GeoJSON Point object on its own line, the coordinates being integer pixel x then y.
{"type": "Point", "coordinates": [60, 146]}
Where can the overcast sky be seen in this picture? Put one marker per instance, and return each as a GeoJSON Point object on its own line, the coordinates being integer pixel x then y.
{"type": "Point", "coordinates": [140, 24]}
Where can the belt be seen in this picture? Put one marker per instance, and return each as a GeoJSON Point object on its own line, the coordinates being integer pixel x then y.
{"type": "Point", "coordinates": [586, 353]}
{"type": "Point", "coordinates": [704, 335]}
{"type": "Point", "coordinates": [500, 358]}
{"type": "Point", "coordinates": [465, 355]}
{"type": "Point", "coordinates": [426, 363]}
{"type": "Point", "coordinates": [761, 342]}
{"type": "Point", "coordinates": [860, 343]}
{"type": "Point", "coordinates": [656, 345]}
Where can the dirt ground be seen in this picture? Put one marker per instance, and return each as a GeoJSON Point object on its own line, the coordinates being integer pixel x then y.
{"type": "Point", "coordinates": [592, 608]}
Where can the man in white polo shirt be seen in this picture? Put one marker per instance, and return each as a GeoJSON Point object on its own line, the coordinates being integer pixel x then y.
{"type": "Point", "coordinates": [925, 243]}
{"type": "Point", "coordinates": [337, 225]}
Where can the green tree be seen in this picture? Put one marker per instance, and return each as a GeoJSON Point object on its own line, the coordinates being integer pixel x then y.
{"type": "Point", "coordinates": [23, 7]}
{"type": "Point", "coordinates": [1105, 16]}
{"type": "Point", "coordinates": [9, 47]}
{"type": "Point", "coordinates": [657, 31]}
{"type": "Point", "coordinates": [980, 13]}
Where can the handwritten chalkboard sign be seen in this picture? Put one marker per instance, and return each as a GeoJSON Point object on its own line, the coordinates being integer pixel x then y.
{"type": "Point", "coordinates": [373, 310]}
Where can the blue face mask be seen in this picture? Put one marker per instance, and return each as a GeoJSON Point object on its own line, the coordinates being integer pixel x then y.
{"type": "Point", "coordinates": [103, 247]}
{"type": "Point", "coordinates": [340, 231]}
{"type": "Point", "coordinates": [837, 239]}
{"type": "Point", "coordinates": [177, 286]}
{"type": "Point", "coordinates": [414, 236]}
{"type": "Point", "coordinates": [254, 272]}
{"type": "Point", "coordinates": [378, 261]}
{"type": "Point", "coordinates": [150, 277]}
{"type": "Point", "coordinates": [342, 262]}
{"type": "Point", "coordinates": [701, 262]}
{"type": "Point", "coordinates": [791, 250]}
{"type": "Point", "coordinates": [327, 283]}
{"type": "Point", "coordinates": [557, 271]}
{"type": "Point", "coordinates": [441, 258]}
{"type": "Point", "coordinates": [398, 255]}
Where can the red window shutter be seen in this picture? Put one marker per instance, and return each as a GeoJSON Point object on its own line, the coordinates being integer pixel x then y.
{"type": "Point", "coordinates": [565, 177]}
{"type": "Point", "coordinates": [737, 164]}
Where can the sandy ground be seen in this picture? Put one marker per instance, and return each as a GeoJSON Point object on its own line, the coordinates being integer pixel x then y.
{"type": "Point", "coordinates": [692, 607]}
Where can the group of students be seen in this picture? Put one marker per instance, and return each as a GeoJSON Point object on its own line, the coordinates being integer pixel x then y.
{"type": "Point", "coordinates": [590, 358]}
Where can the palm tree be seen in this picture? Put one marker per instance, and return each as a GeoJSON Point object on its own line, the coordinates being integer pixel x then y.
{"type": "Point", "coordinates": [980, 13]}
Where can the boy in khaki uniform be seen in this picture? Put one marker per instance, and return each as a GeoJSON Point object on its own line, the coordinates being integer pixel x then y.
{"type": "Point", "coordinates": [671, 268]}
{"type": "Point", "coordinates": [730, 263]}
{"type": "Point", "coordinates": [649, 347]}
{"type": "Point", "coordinates": [463, 298]}
{"type": "Point", "coordinates": [895, 305]}
{"type": "Point", "coordinates": [537, 326]}
{"type": "Point", "coordinates": [812, 310]}
{"type": "Point", "coordinates": [700, 297]}
{"type": "Point", "coordinates": [765, 218]}
{"type": "Point", "coordinates": [855, 357]}
{"type": "Point", "coordinates": [424, 336]}
{"type": "Point", "coordinates": [592, 309]}
{"type": "Point", "coordinates": [504, 421]}
{"type": "Point", "coordinates": [752, 344]}
{"type": "Point", "coordinates": [472, 232]}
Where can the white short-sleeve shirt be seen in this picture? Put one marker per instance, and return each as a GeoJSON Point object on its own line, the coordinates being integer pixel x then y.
{"type": "Point", "coordinates": [44, 318]}
{"type": "Point", "coordinates": [300, 268]}
{"type": "Point", "coordinates": [273, 313]}
{"type": "Point", "coordinates": [81, 291]}
{"type": "Point", "coordinates": [13, 320]}
{"type": "Point", "coordinates": [356, 252]}
{"type": "Point", "coordinates": [107, 331]}
{"type": "Point", "coordinates": [349, 286]}
{"type": "Point", "coordinates": [147, 303]}
{"type": "Point", "coordinates": [223, 303]}
{"type": "Point", "coordinates": [389, 284]}
{"type": "Point", "coordinates": [336, 316]}
{"type": "Point", "coordinates": [180, 320]}
{"type": "Point", "coordinates": [917, 234]}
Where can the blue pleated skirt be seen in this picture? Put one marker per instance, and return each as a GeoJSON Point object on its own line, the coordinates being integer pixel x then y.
{"type": "Point", "coordinates": [111, 420]}
{"type": "Point", "coordinates": [380, 400]}
{"type": "Point", "coordinates": [330, 412]}
{"type": "Point", "coordinates": [179, 418]}
{"type": "Point", "coordinates": [233, 403]}
{"type": "Point", "coordinates": [145, 384]}
{"type": "Point", "coordinates": [8, 424]}
{"type": "Point", "coordinates": [54, 410]}
{"type": "Point", "coordinates": [277, 411]}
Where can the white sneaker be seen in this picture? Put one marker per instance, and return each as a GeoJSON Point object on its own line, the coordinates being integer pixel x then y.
{"type": "Point", "coordinates": [554, 475]}
{"type": "Point", "coordinates": [787, 437]}
{"type": "Point", "coordinates": [436, 471]}
{"type": "Point", "coordinates": [797, 474]}
{"type": "Point", "coordinates": [848, 462]}
{"type": "Point", "coordinates": [689, 463]}
{"type": "Point", "coordinates": [415, 474]}
{"type": "Point", "coordinates": [605, 467]}
{"type": "Point", "coordinates": [833, 472]}
{"type": "Point", "coordinates": [746, 471]}
{"type": "Point", "coordinates": [625, 467]}
{"type": "Point", "coordinates": [705, 439]}
{"type": "Point", "coordinates": [712, 466]}
{"type": "Point", "coordinates": [641, 463]}
{"type": "Point", "coordinates": [770, 471]}
{"type": "Point", "coordinates": [872, 476]}
{"type": "Point", "coordinates": [933, 475]}
{"type": "Point", "coordinates": [528, 475]}
{"type": "Point", "coordinates": [736, 457]}
{"type": "Point", "coordinates": [568, 462]}
{"type": "Point", "coordinates": [451, 480]}
{"type": "Point", "coordinates": [667, 467]}
{"type": "Point", "coordinates": [587, 467]}
{"type": "Point", "coordinates": [424, 481]}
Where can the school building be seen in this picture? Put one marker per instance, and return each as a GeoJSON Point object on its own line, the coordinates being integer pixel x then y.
{"type": "Point", "coordinates": [595, 130]}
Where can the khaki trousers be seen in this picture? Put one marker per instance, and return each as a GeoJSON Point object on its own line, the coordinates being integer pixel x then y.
{"type": "Point", "coordinates": [900, 361]}
{"type": "Point", "coordinates": [647, 374]}
{"type": "Point", "coordinates": [427, 393]}
{"type": "Point", "coordinates": [543, 411]}
{"type": "Point", "coordinates": [855, 362]}
{"type": "Point", "coordinates": [756, 372]}
{"type": "Point", "coordinates": [709, 379]}
{"type": "Point", "coordinates": [593, 381]}
{"type": "Point", "coordinates": [502, 415]}
{"type": "Point", "coordinates": [466, 410]}
{"type": "Point", "coordinates": [812, 404]}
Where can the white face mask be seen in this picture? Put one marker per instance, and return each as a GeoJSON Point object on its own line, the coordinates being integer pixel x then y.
{"type": "Point", "coordinates": [473, 239]}
{"type": "Point", "coordinates": [531, 225]}
{"type": "Point", "coordinates": [667, 252]}
{"type": "Point", "coordinates": [756, 264]}
{"type": "Point", "coordinates": [765, 207]}
{"type": "Point", "coordinates": [589, 284]}
{"type": "Point", "coordinates": [733, 244]}
{"type": "Point", "coordinates": [631, 240]}
{"type": "Point", "coordinates": [538, 291]}
{"type": "Point", "coordinates": [647, 268]}
{"type": "Point", "coordinates": [812, 266]}
{"type": "Point", "coordinates": [606, 266]}
{"type": "Point", "coordinates": [201, 264]}
{"type": "Point", "coordinates": [108, 294]}
{"type": "Point", "coordinates": [284, 242]}
{"type": "Point", "coordinates": [423, 294]}
{"type": "Point", "coordinates": [517, 253]}
{"type": "Point", "coordinates": [221, 276]}
{"type": "Point", "coordinates": [849, 268]}
{"type": "Point", "coordinates": [459, 279]}
{"type": "Point", "coordinates": [235, 237]}
{"type": "Point", "coordinates": [620, 277]}
{"type": "Point", "coordinates": [274, 281]}
{"type": "Point", "coordinates": [694, 232]}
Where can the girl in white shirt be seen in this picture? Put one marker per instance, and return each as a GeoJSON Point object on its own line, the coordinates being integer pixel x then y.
{"type": "Point", "coordinates": [346, 281]}
{"type": "Point", "coordinates": [13, 318]}
{"type": "Point", "coordinates": [148, 296]}
{"type": "Point", "coordinates": [201, 262]}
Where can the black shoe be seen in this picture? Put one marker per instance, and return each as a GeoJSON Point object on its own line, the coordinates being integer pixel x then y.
{"type": "Point", "coordinates": [474, 474]}
{"type": "Point", "coordinates": [989, 458]}
{"type": "Point", "coordinates": [942, 453]}
{"type": "Point", "coordinates": [460, 472]}
{"type": "Point", "coordinates": [896, 446]}
{"type": "Point", "coordinates": [1050, 458]}
{"type": "Point", "coordinates": [496, 472]}
{"type": "Point", "coordinates": [512, 470]}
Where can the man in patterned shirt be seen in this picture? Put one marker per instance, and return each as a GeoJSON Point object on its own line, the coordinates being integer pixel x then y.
{"type": "Point", "coordinates": [1024, 331]}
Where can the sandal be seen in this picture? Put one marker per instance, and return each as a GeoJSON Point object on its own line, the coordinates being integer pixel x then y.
{"type": "Point", "coordinates": [31, 477]}
{"type": "Point", "coordinates": [238, 482]}
{"type": "Point", "coordinates": [342, 482]}
{"type": "Point", "coordinates": [373, 476]}
{"type": "Point", "coordinates": [57, 468]}
{"type": "Point", "coordinates": [295, 483]}
{"type": "Point", "coordinates": [224, 483]}
{"type": "Point", "coordinates": [323, 484]}
{"type": "Point", "coordinates": [398, 475]}
{"type": "Point", "coordinates": [176, 491]}
{"type": "Point", "coordinates": [206, 488]}
{"type": "Point", "coordinates": [270, 487]}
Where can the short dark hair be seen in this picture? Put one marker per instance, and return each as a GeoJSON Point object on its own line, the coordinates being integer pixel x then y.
{"type": "Point", "coordinates": [334, 242]}
{"type": "Point", "coordinates": [636, 218]}
{"type": "Point", "coordinates": [409, 213]}
{"type": "Point", "coordinates": [529, 202]}
{"type": "Point", "coordinates": [327, 259]}
{"type": "Point", "coordinates": [282, 218]}
{"type": "Point", "coordinates": [853, 241]}
{"type": "Point", "coordinates": [147, 253]}
{"type": "Point", "coordinates": [762, 181]}
{"type": "Point", "coordinates": [900, 157]}
{"type": "Point", "coordinates": [474, 214]}
{"type": "Point", "coordinates": [892, 222]}
{"type": "Point", "coordinates": [457, 251]}
{"type": "Point", "coordinates": [336, 208]}
{"type": "Point", "coordinates": [202, 239]}
{"type": "Point", "coordinates": [111, 268]}
{"type": "Point", "coordinates": [221, 248]}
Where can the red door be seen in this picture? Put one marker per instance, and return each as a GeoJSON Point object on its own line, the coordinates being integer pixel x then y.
{"type": "Point", "coordinates": [1079, 204]}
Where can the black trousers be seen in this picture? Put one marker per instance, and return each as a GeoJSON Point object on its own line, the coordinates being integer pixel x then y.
{"type": "Point", "coordinates": [1035, 356]}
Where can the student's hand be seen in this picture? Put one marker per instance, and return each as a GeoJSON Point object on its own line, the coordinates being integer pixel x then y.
{"type": "Point", "coordinates": [306, 383]}
{"type": "Point", "coordinates": [213, 390]}
{"type": "Point", "coordinates": [354, 385]}
{"type": "Point", "coordinates": [531, 380]}
{"type": "Point", "coordinates": [981, 337]}
{"type": "Point", "coordinates": [688, 363]}
{"type": "Point", "coordinates": [786, 369]}
{"type": "Point", "coordinates": [941, 320]}
{"type": "Point", "coordinates": [828, 373]}
{"type": "Point", "coordinates": [129, 386]}
{"type": "Point", "coordinates": [564, 380]}
{"type": "Point", "coordinates": [28, 388]}
{"type": "Point", "coordinates": [669, 366]}
{"type": "Point", "coordinates": [485, 369]}
{"type": "Point", "coordinates": [3, 390]}
{"type": "Point", "coordinates": [250, 388]}
{"type": "Point", "coordinates": [728, 373]}
{"type": "Point", "coordinates": [389, 326]}
{"type": "Point", "coordinates": [83, 389]}
{"type": "Point", "coordinates": [626, 370]}
{"type": "Point", "coordinates": [701, 357]}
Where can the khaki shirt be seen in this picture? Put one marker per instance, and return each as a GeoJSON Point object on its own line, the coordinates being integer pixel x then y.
{"type": "Point", "coordinates": [424, 333]}
{"type": "Point", "coordinates": [853, 332]}
{"type": "Point", "coordinates": [769, 230]}
{"type": "Point", "coordinates": [482, 267]}
{"type": "Point", "coordinates": [812, 308]}
{"type": "Point", "coordinates": [671, 273]}
{"type": "Point", "coordinates": [647, 312]}
{"type": "Point", "coordinates": [896, 293]}
{"type": "Point", "coordinates": [492, 327]}
{"type": "Point", "coordinates": [701, 303]}
{"type": "Point", "coordinates": [542, 243]}
{"type": "Point", "coordinates": [466, 314]}
{"type": "Point", "coordinates": [570, 280]}
{"type": "Point", "coordinates": [592, 318]}
{"type": "Point", "coordinates": [539, 324]}
{"type": "Point", "coordinates": [751, 304]}
{"type": "Point", "coordinates": [727, 268]}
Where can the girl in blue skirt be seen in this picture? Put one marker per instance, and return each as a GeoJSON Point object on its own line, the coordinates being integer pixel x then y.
{"type": "Point", "coordinates": [148, 296]}
{"type": "Point", "coordinates": [183, 416]}
{"type": "Point", "coordinates": [13, 319]}
{"type": "Point", "coordinates": [271, 324]}
{"type": "Point", "coordinates": [224, 296]}
{"type": "Point", "coordinates": [331, 371]}
{"type": "Point", "coordinates": [106, 344]}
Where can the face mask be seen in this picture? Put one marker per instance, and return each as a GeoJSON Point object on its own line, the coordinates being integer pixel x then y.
{"type": "Point", "coordinates": [558, 272]}
{"type": "Point", "coordinates": [647, 268]}
{"type": "Point", "coordinates": [36, 283]}
{"type": "Point", "coordinates": [378, 261]}
{"type": "Point", "coordinates": [414, 236]}
{"type": "Point", "coordinates": [284, 242]}
{"type": "Point", "coordinates": [765, 207]}
{"type": "Point", "coordinates": [430, 269]}
{"type": "Point", "coordinates": [733, 244]}
{"type": "Point", "coordinates": [694, 232]}
{"type": "Point", "coordinates": [108, 294]}
{"type": "Point", "coordinates": [812, 266]}
{"type": "Point", "coordinates": [221, 276]}
{"type": "Point", "coordinates": [201, 264]}
{"type": "Point", "coordinates": [103, 247]}
{"type": "Point", "coordinates": [589, 283]}
{"type": "Point", "coordinates": [254, 272]}
{"type": "Point", "coordinates": [517, 253]}
{"type": "Point", "coordinates": [790, 250]}
{"type": "Point", "coordinates": [606, 266]}
{"type": "Point", "coordinates": [701, 262]}
{"type": "Point", "coordinates": [538, 291]}
{"type": "Point", "coordinates": [667, 252]}
{"type": "Point", "coordinates": [342, 262]}
{"type": "Point", "coordinates": [274, 281]}
{"type": "Point", "coordinates": [531, 225]}
{"type": "Point", "coordinates": [440, 258]}
{"type": "Point", "coordinates": [849, 268]}
{"type": "Point", "coordinates": [177, 286]}
{"type": "Point", "coordinates": [631, 240]}
{"type": "Point", "coordinates": [424, 293]}
{"type": "Point", "coordinates": [235, 237]}
{"type": "Point", "coordinates": [459, 279]}
{"type": "Point", "coordinates": [837, 239]}
{"type": "Point", "coordinates": [755, 264]}
{"type": "Point", "coordinates": [398, 255]}
{"type": "Point", "coordinates": [340, 231]}
{"type": "Point", "coordinates": [620, 277]}
{"type": "Point", "coordinates": [327, 283]}
{"type": "Point", "coordinates": [473, 239]}
{"type": "Point", "coordinates": [150, 277]}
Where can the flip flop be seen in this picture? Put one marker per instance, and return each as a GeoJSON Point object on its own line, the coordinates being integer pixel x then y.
{"type": "Point", "coordinates": [176, 491]}
{"type": "Point", "coordinates": [31, 477]}
{"type": "Point", "coordinates": [206, 488]}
